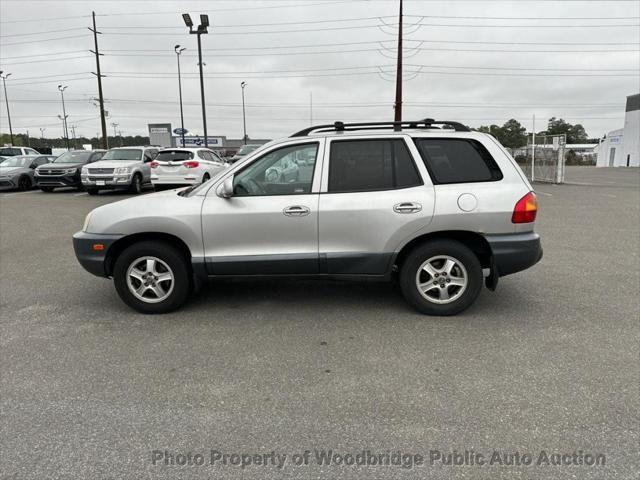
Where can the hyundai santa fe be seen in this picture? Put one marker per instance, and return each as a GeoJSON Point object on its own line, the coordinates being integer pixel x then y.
{"type": "Point", "coordinates": [439, 207]}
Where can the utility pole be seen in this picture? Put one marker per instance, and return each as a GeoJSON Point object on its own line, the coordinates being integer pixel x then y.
{"type": "Point", "coordinates": [103, 121]}
{"type": "Point", "coordinates": [310, 108]}
{"type": "Point", "coordinates": [244, 119]}
{"type": "Point", "coordinates": [6, 100]}
{"type": "Point", "coordinates": [28, 139]}
{"type": "Point", "coordinates": [202, 29]}
{"type": "Point", "coordinates": [178, 51]}
{"type": "Point", "coordinates": [120, 135]}
{"type": "Point", "coordinates": [73, 132]}
{"type": "Point", "coordinates": [398, 105]}
{"type": "Point", "coordinates": [64, 115]}
{"type": "Point", "coordinates": [533, 149]}
{"type": "Point", "coordinates": [42, 129]}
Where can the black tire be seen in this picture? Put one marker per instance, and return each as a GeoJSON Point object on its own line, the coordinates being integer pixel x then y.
{"type": "Point", "coordinates": [92, 191]}
{"type": "Point", "coordinates": [47, 189]}
{"type": "Point", "coordinates": [136, 184]}
{"type": "Point", "coordinates": [450, 248]}
{"type": "Point", "coordinates": [164, 252]}
{"type": "Point", "coordinates": [24, 183]}
{"type": "Point", "coordinates": [205, 178]}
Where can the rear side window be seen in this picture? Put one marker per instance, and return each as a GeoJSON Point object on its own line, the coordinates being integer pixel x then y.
{"type": "Point", "coordinates": [369, 165]}
{"type": "Point", "coordinates": [452, 160]}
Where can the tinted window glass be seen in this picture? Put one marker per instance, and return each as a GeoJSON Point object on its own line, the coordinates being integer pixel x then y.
{"type": "Point", "coordinates": [451, 160]}
{"type": "Point", "coordinates": [123, 154]}
{"type": "Point", "coordinates": [174, 155]}
{"type": "Point", "coordinates": [74, 156]}
{"type": "Point", "coordinates": [8, 152]}
{"type": "Point", "coordinates": [365, 165]}
{"type": "Point", "coordinates": [277, 173]}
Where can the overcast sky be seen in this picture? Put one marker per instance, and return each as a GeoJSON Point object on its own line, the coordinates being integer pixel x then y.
{"type": "Point", "coordinates": [479, 62]}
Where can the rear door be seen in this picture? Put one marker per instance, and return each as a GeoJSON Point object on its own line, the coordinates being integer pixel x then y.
{"type": "Point", "coordinates": [374, 195]}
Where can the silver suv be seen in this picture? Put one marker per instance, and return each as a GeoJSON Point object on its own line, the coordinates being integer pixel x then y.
{"type": "Point", "coordinates": [120, 167]}
{"type": "Point", "coordinates": [442, 208]}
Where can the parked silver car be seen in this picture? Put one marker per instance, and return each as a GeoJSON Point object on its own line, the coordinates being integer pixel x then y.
{"type": "Point", "coordinates": [431, 202]}
{"type": "Point", "coordinates": [121, 167]}
{"type": "Point", "coordinates": [17, 172]}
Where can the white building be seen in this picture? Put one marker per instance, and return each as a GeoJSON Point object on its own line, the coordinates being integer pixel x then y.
{"type": "Point", "coordinates": [621, 148]}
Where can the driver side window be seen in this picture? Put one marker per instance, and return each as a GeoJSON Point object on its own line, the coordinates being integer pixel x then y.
{"type": "Point", "coordinates": [276, 173]}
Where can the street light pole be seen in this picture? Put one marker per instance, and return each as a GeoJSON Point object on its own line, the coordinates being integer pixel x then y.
{"type": "Point", "coordinates": [6, 100]}
{"type": "Point", "coordinates": [115, 134]}
{"type": "Point", "coordinates": [202, 29]}
{"type": "Point", "coordinates": [64, 115]}
{"type": "Point", "coordinates": [244, 118]}
{"type": "Point", "coordinates": [178, 51]}
{"type": "Point", "coordinates": [42, 129]}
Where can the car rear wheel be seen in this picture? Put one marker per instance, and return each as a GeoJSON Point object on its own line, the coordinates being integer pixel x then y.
{"type": "Point", "coordinates": [441, 277]}
{"type": "Point", "coordinates": [152, 277]}
{"type": "Point", "coordinates": [136, 184]}
{"type": "Point", "coordinates": [205, 178]}
{"type": "Point", "coordinates": [47, 189]}
{"type": "Point", "coordinates": [24, 183]}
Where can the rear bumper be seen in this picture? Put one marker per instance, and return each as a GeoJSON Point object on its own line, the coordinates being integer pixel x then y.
{"type": "Point", "coordinates": [93, 261]}
{"type": "Point", "coordinates": [175, 179]}
{"type": "Point", "coordinates": [514, 252]}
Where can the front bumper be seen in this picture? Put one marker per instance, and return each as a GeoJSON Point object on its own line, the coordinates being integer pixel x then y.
{"type": "Point", "coordinates": [8, 183]}
{"type": "Point", "coordinates": [72, 180]}
{"type": "Point", "coordinates": [93, 261]}
{"type": "Point", "coordinates": [514, 252]}
{"type": "Point", "coordinates": [120, 180]}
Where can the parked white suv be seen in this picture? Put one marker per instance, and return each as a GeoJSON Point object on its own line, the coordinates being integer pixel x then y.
{"type": "Point", "coordinates": [174, 167]}
{"type": "Point", "coordinates": [431, 202]}
{"type": "Point", "coordinates": [121, 167]}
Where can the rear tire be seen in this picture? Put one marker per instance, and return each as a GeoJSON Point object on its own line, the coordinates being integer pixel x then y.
{"type": "Point", "coordinates": [441, 277]}
{"type": "Point", "coordinates": [24, 183]}
{"type": "Point", "coordinates": [205, 178]}
{"type": "Point", "coordinates": [167, 262]}
{"type": "Point", "coordinates": [92, 191]}
{"type": "Point", "coordinates": [47, 189]}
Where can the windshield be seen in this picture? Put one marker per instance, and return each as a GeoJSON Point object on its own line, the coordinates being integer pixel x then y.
{"type": "Point", "coordinates": [174, 156]}
{"type": "Point", "coordinates": [246, 149]}
{"type": "Point", "coordinates": [9, 152]}
{"type": "Point", "coordinates": [73, 156]}
{"type": "Point", "coordinates": [123, 154]}
{"type": "Point", "coordinates": [17, 162]}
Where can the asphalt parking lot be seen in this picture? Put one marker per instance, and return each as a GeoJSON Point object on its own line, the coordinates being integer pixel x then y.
{"type": "Point", "coordinates": [549, 362]}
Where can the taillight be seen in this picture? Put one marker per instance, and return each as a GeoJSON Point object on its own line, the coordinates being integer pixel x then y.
{"type": "Point", "coordinates": [191, 164]}
{"type": "Point", "coordinates": [154, 164]}
{"type": "Point", "coordinates": [526, 209]}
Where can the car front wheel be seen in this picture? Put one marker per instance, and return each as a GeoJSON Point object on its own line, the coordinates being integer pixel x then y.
{"type": "Point", "coordinates": [441, 277]}
{"type": "Point", "coordinates": [152, 277]}
{"type": "Point", "coordinates": [136, 184]}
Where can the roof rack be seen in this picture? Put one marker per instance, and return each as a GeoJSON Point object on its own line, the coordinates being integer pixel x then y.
{"type": "Point", "coordinates": [397, 126]}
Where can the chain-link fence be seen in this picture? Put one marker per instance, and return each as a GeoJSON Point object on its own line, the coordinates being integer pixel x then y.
{"type": "Point", "coordinates": [544, 161]}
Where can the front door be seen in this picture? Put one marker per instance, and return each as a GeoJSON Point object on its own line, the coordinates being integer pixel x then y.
{"type": "Point", "coordinates": [270, 224]}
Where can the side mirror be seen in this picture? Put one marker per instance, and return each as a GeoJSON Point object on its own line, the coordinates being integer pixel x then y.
{"type": "Point", "coordinates": [226, 189]}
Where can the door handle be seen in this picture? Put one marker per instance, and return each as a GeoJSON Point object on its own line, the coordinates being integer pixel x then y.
{"type": "Point", "coordinates": [407, 207]}
{"type": "Point", "coordinates": [296, 211]}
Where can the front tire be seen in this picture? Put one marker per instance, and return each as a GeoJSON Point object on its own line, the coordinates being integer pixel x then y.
{"type": "Point", "coordinates": [152, 277]}
{"type": "Point", "coordinates": [47, 189]}
{"type": "Point", "coordinates": [136, 184]}
{"type": "Point", "coordinates": [441, 277]}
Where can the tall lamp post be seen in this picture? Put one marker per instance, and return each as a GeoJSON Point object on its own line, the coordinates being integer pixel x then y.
{"type": "Point", "coordinates": [202, 29]}
{"type": "Point", "coordinates": [42, 129]}
{"type": "Point", "coordinates": [178, 51]}
{"type": "Point", "coordinates": [6, 100]}
{"type": "Point", "coordinates": [115, 134]}
{"type": "Point", "coordinates": [244, 118]}
{"type": "Point", "coordinates": [64, 115]}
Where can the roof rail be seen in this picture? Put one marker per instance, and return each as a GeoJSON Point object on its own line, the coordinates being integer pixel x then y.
{"type": "Point", "coordinates": [396, 126]}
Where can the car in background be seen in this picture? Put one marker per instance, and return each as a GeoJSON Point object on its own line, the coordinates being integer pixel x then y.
{"type": "Point", "coordinates": [64, 171]}
{"type": "Point", "coordinates": [17, 172]}
{"type": "Point", "coordinates": [184, 166]}
{"type": "Point", "coordinates": [120, 168]}
{"type": "Point", "coordinates": [244, 150]}
{"type": "Point", "coordinates": [12, 151]}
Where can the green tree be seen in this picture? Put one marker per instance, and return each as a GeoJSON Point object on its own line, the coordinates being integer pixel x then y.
{"type": "Point", "coordinates": [512, 134]}
{"type": "Point", "coordinates": [575, 133]}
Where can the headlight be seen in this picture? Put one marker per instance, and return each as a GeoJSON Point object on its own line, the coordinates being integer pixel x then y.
{"type": "Point", "coordinates": [121, 170]}
{"type": "Point", "coordinates": [70, 171]}
{"type": "Point", "coordinates": [85, 225]}
{"type": "Point", "coordinates": [84, 171]}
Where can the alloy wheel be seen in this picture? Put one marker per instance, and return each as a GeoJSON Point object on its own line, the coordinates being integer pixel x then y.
{"type": "Point", "coordinates": [442, 279]}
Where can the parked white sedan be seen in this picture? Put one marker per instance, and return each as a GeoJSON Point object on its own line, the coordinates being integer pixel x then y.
{"type": "Point", "coordinates": [174, 167]}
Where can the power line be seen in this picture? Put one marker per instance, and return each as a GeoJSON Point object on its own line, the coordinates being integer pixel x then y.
{"type": "Point", "coordinates": [44, 40]}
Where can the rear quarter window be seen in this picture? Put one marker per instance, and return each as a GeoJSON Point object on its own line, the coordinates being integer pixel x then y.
{"type": "Point", "coordinates": [454, 160]}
